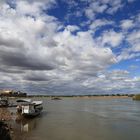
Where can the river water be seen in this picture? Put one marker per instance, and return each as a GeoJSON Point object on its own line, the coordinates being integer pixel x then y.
{"type": "Point", "coordinates": [83, 119]}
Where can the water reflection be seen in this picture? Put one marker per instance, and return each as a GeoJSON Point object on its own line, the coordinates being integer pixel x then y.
{"type": "Point", "coordinates": [22, 127]}
{"type": "Point", "coordinates": [25, 124]}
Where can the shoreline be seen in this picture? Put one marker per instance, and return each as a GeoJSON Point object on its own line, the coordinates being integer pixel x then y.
{"type": "Point", "coordinates": [4, 131]}
{"type": "Point", "coordinates": [99, 96]}
{"type": "Point", "coordinates": [7, 117]}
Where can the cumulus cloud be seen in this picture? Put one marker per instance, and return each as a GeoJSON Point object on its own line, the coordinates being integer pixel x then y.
{"type": "Point", "coordinates": [117, 81]}
{"type": "Point", "coordinates": [115, 6]}
{"type": "Point", "coordinates": [95, 7]}
{"type": "Point", "coordinates": [134, 40]}
{"type": "Point", "coordinates": [130, 28]}
{"type": "Point", "coordinates": [133, 51]}
{"type": "Point", "coordinates": [79, 52]}
{"type": "Point", "coordinates": [99, 23]}
{"type": "Point", "coordinates": [72, 28]}
{"type": "Point", "coordinates": [127, 24]}
{"type": "Point", "coordinates": [111, 38]}
{"type": "Point", "coordinates": [40, 53]}
{"type": "Point", "coordinates": [31, 41]}
{"type": "Point", "coordinates": [103, 6]}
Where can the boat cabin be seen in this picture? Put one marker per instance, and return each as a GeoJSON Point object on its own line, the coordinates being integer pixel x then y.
{"type": "Point", "coordinates": [29, 108]}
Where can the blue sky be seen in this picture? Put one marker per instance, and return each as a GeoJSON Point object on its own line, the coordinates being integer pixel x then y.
{"type": "Point", "coordinates": [70, 47]}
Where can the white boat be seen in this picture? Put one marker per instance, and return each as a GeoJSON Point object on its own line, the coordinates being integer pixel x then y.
{"type": "Point", "coordinates": [4, 102]}
{"type": "Point", "coordinates": [29, 108]}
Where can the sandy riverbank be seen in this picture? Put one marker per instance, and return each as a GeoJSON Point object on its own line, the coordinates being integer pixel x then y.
{"type": "Point", "coordinates": [4, 131]}
{"type": "Point", "coordinates": [5, 114]}
{"type": "Point", "coordinates": [6, 117]}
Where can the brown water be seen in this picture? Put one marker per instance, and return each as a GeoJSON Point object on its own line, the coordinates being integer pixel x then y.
{"type": "Point", "coordinates": [83, 119]}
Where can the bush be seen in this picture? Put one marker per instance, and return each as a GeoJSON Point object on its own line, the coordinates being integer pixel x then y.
{"type": "Point", "coordinates": [136, 97]}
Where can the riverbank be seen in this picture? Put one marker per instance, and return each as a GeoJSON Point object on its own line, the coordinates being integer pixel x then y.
{"type": "Point", "coordinates": [6, 118]}
{"type": "Point", "coordinates": [80, 97]}
{"type": "Point", "coordinates": [83, 96]}
{"type": "Point", "coordinates": [4, 131]}
{"type": "Point", "coordinates": [5, 114]}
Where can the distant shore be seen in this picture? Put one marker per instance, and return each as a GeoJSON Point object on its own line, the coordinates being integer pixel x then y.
{"type": "Point", "coordinates": [82, 96]}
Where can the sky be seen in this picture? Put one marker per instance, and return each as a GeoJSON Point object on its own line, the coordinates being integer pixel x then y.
{"type": "Point", "coordinates": [70, 47]}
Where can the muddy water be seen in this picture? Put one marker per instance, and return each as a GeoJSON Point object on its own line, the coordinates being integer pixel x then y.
{"type": "Point", "coordinates": [82, 119]}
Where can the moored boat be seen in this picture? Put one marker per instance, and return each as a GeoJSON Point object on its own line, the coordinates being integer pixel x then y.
{"type": "Point", "coordinates": [29, 108]}
{"type": "Point", "coordinates": [4, 102]}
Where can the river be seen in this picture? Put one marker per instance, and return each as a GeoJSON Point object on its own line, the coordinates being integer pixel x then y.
{"type": "Point", "coordinates": [83, 119]}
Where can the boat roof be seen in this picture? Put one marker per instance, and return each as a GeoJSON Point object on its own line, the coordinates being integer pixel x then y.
{"type": "Point", "coordinates": [37, 102]}
{"type": "Point", "coordinates": [24, 100]}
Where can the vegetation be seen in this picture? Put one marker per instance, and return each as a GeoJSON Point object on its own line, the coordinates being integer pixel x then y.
{"type": "Point", "coordinates": [136, 97]}
{"type": "Point", "coordinates": [94, 95]}
{"type": "Point", "coordinates": [12, 93]}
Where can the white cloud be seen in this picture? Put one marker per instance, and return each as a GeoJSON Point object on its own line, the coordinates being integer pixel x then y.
{"type": "Point", "coordinates": [134, 40]}
{"type": "Point", "coordinates": [82, 49]}
{"type": "Point", "coordinates": [103, 6]}
{"type": "Point", "coordinates": [114, 9]}
{"type": "Point", "coordinates": [111, 38]}
{"type": "Point", "coordinates": [113, 81]}
{"type": "Point", "coordinates": [89, 13]}
{"type": "Point", "coordinates": [115, 6]}
{"type": "Point", "coordinates": [23, 7]}
{"type": "Point", "coordinates": [127, 24]}
{"type": "Point", "coordinates": [34, 45]}
{"type": "Point", "coordinates": [72, 28]}
{"type": "Point", "coordinates": [98, 23]}
{"type": "Point", "coordinates": [95, 7]}
{"type": "Point", "coordinates": [38, 52]}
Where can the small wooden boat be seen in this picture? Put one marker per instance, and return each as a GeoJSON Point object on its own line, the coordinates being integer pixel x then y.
{"type": "Point", "coordinates": [4, 102]}
{"type": "Point", "coordinates": [29, 108]}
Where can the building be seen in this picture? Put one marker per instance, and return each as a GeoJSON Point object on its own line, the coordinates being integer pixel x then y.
{"type": "Point", "coordinates": [12, 93]}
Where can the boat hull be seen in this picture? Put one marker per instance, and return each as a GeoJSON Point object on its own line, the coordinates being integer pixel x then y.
{"type": "Point", "coordinates": [29, 108]}
{"type": "Point", "coordinates": [34, 114]}
{"type": "Point", "coordinates": [31, 115]}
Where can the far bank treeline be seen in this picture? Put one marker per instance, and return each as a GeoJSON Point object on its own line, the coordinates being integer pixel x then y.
{"type": "Point", "coordinates": [93, 95]}
{"type": "Point", "coordinates": [133, 96]}
{"type": "Point", "coordinates": [12, 93]}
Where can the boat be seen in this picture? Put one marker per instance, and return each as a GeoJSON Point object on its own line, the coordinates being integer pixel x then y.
{"type": "Point", "coordinates": [28, 108]}
{"type": "Point", "coordinates": [56, 98]}
{"type": "Point", "coordinates": [4, 102]}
